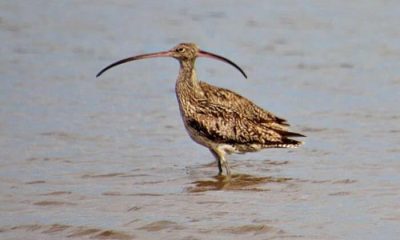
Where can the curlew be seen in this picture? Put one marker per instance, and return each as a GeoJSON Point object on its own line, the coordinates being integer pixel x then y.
{"type": "Point", "coordinates": [217, 118]}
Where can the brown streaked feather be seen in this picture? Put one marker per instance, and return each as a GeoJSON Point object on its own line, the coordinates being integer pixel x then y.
{"type": "Point", "coordinates": [226, 125]}
{"type": "Point", "coordinates": [236, 102]}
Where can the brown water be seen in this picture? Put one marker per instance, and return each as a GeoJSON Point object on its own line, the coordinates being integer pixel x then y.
{"type": "Point", "coordinates": [108, 158]}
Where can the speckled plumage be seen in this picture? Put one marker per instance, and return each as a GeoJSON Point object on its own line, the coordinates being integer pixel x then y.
{"type": "Point", "coordinates": [220, 119]}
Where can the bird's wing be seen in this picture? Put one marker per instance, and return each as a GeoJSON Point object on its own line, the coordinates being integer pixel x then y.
{"type": "Point", "coordinates": [234, 101]}
{"type": "Point", "coordinates": [225, 125]}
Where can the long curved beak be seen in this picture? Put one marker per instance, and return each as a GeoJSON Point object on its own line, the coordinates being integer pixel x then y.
{"type": "Point", "coordinates": [143, 56]}
{"type": "Point", "coordinates": [203, 53]}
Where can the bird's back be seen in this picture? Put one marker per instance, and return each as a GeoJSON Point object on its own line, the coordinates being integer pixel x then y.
{"type": "Point", "coordinates": [225, 117]}
{"type": "Point", "coordinates": [248, 109]}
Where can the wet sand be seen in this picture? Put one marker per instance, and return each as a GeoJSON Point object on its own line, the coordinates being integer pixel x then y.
{"type": "Point", "coordinates": [108, 158]}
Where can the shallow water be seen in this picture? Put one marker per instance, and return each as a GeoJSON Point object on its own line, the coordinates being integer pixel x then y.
{"type": "Point", "coordinates": [108, 158]}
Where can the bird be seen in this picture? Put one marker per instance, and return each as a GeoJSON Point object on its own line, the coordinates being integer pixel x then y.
{"type": "Point", "coordinates": [217, 118]}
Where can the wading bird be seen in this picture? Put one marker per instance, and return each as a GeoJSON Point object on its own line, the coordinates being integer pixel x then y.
{"type": "Point", "coordinates": [217, 118]}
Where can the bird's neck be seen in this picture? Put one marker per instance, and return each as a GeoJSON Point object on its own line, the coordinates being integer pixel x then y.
{"type": "Point", "coordinates": [187, 89]}
{"type": "Point", "coordinates": [187, 79]}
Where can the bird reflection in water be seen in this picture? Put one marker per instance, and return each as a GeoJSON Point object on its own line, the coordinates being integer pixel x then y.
{"type": "Point", "coordinates": [238, 182]}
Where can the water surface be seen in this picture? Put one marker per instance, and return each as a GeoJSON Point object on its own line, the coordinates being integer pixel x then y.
{"type": "Point", "coordinates": [108, 158]}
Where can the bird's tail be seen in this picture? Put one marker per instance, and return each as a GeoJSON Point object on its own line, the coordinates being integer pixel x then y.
{"type": "Point", "coordinates": [289, 134]}
{"type": "Point", "coordinates": [286, 142]}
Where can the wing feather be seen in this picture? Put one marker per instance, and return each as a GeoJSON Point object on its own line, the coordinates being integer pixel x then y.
{"type": "Point", "coordinates": [222, 124]}
{"type": "Point", "coordinates": [236, 102]}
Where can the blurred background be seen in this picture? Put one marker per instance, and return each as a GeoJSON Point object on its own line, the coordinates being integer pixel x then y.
{"type": "Point", "coordinates": [108, 158]}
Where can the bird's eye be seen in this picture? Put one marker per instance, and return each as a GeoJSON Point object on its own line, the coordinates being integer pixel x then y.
{"type": "Point", "coordinates": [180, 50]}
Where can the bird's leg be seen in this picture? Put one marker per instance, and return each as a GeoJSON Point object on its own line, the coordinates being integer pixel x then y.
{"type": "Point", "coordinates": [227, 168]}
{"type": "Point", "coordinates": [215, 154]}
{"type": "Point", "coordinates": [219, 167]}
{"type": "Point", "coordinates": [219, 154]}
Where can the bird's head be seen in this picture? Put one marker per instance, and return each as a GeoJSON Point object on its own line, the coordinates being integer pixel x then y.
{"type": "Point", "coordinates": [183, 52]}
